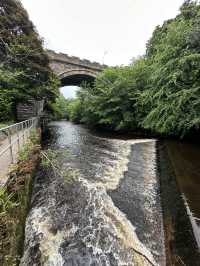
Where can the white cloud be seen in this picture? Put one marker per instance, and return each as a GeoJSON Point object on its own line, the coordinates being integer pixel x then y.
{"type": "Point", "coordinates": [88, 28]}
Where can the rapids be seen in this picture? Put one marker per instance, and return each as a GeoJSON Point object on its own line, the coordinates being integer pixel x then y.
{"type": "Point", "coordinates": [108, 213]}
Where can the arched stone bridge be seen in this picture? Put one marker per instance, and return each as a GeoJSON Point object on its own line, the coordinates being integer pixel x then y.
{"type": "Point", "coordinates": [73, 70]}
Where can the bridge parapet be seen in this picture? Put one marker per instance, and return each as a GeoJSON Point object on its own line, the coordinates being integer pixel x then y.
{"type": "Point", "coordinates": [73, 60]}
{"type": "Point", "coordinates": [72, 70]}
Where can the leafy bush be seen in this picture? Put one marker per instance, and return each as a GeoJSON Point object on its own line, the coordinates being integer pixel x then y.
{"type": "Point", "coordinates": [173, 99]}
{"type": "Point", "coordinates": [75, 110]}
{"type": "Point", "coordinates": [60, 108]}
{"type": "Point", "coordinates": [24, 68]}
{"type": "Point", "coordinates": [159, 92]}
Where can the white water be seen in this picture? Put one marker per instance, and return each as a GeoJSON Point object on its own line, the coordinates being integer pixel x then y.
{"type": "Point", "coordinates": [77, 222]}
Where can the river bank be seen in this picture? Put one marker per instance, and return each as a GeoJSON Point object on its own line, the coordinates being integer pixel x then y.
{"type": "Point", "coordinates": [180, 240]}
{"type": "Point", "coordinates": [14, 202]}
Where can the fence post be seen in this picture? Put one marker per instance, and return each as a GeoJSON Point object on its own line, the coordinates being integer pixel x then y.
{"type": "Point", "coordinates": [23, 130]}
{"type": "Point", "coordinates": [10, 145]}
{"type": "Point", "coordinates": [27, 131]}
{"type": "Point", "coordinates": [18, 138]}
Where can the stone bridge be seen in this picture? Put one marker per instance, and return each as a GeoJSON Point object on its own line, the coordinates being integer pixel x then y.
{"type": "Point", "coordinates": [73, 70]}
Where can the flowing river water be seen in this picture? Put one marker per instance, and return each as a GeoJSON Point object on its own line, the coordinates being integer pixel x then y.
{"type": "Point", "coordinates": [102, 208]}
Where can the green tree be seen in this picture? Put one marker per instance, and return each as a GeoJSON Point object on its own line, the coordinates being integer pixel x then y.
{"type": "Point", "coordinates": [173, 100]}
{"type": "Point", "coordinates": [159, 92]}
{"type": "Point", "coordinates": [61, 108]}
{"type": "Point", "coordinates": [112, 101]}
{"type": "Point", "coordinates": [75, 110]}
{"type": "Point", "coordinates": [24, 67]}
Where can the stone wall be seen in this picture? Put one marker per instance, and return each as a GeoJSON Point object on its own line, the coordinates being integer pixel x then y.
{"type": "Point", "coordinates": [62, 63]}
{"type": "Point", "coordinates": [29, 109]}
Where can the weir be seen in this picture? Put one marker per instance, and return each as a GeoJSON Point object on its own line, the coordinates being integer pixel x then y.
{"type": "Point", "coordinates": [109, 201]}
{"type": "Point", "coordinates": [108, 214]}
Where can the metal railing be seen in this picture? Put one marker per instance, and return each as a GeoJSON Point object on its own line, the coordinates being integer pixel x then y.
{"type": "Point", "coordinates": [12, 139]}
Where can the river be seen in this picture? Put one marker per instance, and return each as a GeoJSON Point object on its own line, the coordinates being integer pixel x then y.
{"type": "Point", "coordinates": [102, 207]}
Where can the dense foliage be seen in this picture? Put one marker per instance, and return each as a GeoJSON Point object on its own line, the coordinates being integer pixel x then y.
{"type": "Point", "coordinates": [173, 52]}
{"type": "Point", "coordinates": [159, 92]}
{"type": "Point", "coordinates": [60, 109]}
{"type": "Point", "coordinates": [24, 70]}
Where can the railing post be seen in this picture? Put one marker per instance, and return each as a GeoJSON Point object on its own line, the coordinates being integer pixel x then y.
{"type": "Point", "coordinates": [26, 130]}
{"type": "Point", "coordinates": [23, 132]}
{"type": "Point", "coordinates": [18, 138]}
{"type": "Point", "coordinates": [29, 126]}
{"type": "Point", "coordinates": [10, 145]}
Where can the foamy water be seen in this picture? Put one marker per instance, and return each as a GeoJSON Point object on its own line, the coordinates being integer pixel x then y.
{"type": "Point", "coordinates": [77, 222]}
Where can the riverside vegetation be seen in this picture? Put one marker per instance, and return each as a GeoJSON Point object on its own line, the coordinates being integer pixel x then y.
{"type": "Point", "coordinates": [24, 67]}
{"type": "Point", "coordinates": [15, 195]}
{"type": "Point", "coordinates": [24, 75]}
{"type": "Point", "coordinates": [158, 92]}
{"type": "Point", "coordinates": [14, 202]}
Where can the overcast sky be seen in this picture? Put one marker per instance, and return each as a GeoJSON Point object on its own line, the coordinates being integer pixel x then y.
{"type": "Point", "coordinates": [113, 31]}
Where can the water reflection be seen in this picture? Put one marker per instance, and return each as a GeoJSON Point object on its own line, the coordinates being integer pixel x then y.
{"type": "Point", "coordinates": [185, 158]}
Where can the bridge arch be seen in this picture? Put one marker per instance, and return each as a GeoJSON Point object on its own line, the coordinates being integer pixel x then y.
{"type": "Point", "coordinates": [75, 77]}
{"type": "Point", "coordinates": [72, 70]}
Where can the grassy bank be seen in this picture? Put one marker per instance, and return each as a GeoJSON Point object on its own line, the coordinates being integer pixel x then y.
{"type": "Point", "coordinates": [14, 202]}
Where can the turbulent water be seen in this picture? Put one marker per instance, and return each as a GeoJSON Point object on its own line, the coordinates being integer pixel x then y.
{"type": "Point", "coordinates": [102, 208]}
